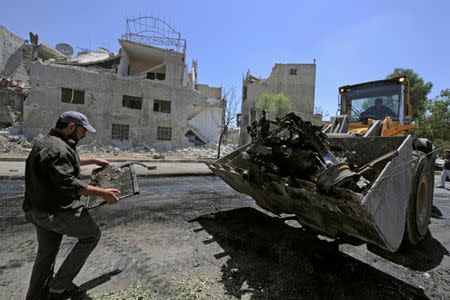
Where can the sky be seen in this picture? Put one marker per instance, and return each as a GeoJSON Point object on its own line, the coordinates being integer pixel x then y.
{"type": "Point", "coordinates": [351, 41]}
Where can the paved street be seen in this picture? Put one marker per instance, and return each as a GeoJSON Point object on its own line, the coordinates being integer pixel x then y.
{"type": "Point", "coordinates": [185, 227]}
{"type": "Point", "coordinates": [16, 169]}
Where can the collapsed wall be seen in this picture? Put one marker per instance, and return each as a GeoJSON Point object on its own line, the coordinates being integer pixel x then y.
{"type": "Point", "coordinates": [14, 58]}
{"type": "Point", "coordinates": [12, 50]}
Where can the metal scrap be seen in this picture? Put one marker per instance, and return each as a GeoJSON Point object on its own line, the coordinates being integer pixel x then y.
{"type": "Point", "coordinates": [121, 176]}
{"type": "Point", "coordinates": [297, 149]}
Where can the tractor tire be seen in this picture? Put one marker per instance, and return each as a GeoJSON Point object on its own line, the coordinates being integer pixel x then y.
{"type": "Point", "coordinates": [421, 201]}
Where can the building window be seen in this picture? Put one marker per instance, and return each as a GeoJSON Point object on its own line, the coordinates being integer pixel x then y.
{"type": "Point", "coordinates": [132, 102]}
{"type": "Point", "coordinates": [161, 106]}
{"type": "Point", "coordinates": [244, 93]}
{"type": "Point", "coordinates": [120, 132]}
{"type": "Point", "coordinates": [72, 96]}
{"type": "Point", "coordinates": [293, 71]}
{"type": "Point", "coordinates": [164, 133]}
{"type": "Point", "coordinates": [153, 76]}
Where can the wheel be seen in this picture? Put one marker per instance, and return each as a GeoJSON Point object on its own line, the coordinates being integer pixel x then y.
{"type": "Point", "coordinates": [420, 203]}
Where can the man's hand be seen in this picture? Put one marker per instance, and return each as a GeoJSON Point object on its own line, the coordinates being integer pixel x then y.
{"type": "Point", "coordinates": [101, 162]}
{"type": "Point", "coordinates": [111, 196]}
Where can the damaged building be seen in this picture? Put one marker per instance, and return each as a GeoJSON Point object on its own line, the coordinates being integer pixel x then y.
{"type": "Point", "coordinates": [14, 88]}
{"type": "Point", "coordinates": [296, 81]}
{"type": "Point", "coordinates": [144, 95]}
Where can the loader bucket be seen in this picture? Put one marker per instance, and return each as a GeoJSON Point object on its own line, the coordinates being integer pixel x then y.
{"type": "Point", "coordinates": [376, 214]}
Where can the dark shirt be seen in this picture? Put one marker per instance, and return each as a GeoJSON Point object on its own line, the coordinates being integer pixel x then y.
{"type": "Point", "coordinates": [447, 162]}
{"type": "Point", "coordinates": [52, 174]}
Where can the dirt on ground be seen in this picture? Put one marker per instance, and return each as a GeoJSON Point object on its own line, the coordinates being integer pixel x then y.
{"type": "Point", "coordinates": [196, 238]}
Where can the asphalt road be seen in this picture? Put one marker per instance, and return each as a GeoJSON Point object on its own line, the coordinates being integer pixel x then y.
{"type": "Point", "coordinates": [180, 224]}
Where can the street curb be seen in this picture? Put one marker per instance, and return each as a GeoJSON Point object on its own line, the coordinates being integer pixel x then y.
{"type": "Point", "coordinates": [87, 177]}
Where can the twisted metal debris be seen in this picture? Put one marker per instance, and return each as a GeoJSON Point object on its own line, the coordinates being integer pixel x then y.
{"type": "Point", "coordinates": [296, 149]}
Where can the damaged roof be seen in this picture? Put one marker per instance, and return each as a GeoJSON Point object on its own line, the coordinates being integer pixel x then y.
{"type": "Point", "coordinates": [143, 51]}
{"type": "Point", "coordinates": [49, 52]}
{"type": "Point", "coordinates": [93, 57]}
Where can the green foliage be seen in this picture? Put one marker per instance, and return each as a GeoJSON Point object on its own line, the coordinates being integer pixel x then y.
{"type": "Point", "coordinates": [436, 124]}
{"type": "Point", "coordinates": [445, 94]}
{"type": "Point", "coordinates": [189, 287]}
{"type": "Point", "coordinates": [419, 90]}
{"type": "Point", "coordinates": [276, 105]}
{"type": "Point", "coordinates": [138, 290]}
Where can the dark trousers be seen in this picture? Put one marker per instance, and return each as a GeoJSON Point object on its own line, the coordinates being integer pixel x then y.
{"type": "Point", "coordinates": [50, 231]}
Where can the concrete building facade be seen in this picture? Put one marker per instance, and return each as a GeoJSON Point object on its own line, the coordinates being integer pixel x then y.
{"type": "Point", "coordinates": [142, 96]}
{"type": "Point", "coordinates": [296, 81]}
{"type": "Point", "coordinates": [128, 112]}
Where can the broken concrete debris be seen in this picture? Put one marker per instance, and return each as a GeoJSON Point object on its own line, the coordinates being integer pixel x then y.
{"type": "Point", "coordinates": [13, 143]}
{"type": "Point", "coordinates": [11, 140]}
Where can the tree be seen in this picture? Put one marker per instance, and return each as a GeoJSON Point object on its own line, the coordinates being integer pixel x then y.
{"type": "Point", "coordinates": [445, 94]}
{"type": "Point", "coordinates": [419, 90]}
{"type": "Point", "coordinates": [435, 125]}
{"type": "Point", "coordinates": [229, 114]}
{"type": "Point", "coordinates": [276, 105]}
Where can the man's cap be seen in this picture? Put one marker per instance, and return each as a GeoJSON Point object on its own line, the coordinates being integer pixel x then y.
{"type": "Point", "coordinates": [77, 118]}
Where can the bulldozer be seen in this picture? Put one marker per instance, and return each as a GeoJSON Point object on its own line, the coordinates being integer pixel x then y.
{"type": "Point", "coordinates": [365, 175]}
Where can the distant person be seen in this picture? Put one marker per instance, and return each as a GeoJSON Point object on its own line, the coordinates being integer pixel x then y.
{"type": "Point", "coordinates": [446, 169]}
{"type": "Point", "coordinates": [378, 111]}
{"type": "Point", "coordinates": [52, 184]}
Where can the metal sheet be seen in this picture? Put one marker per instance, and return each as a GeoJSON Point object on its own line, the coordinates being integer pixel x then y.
{"type": "Point", "coordinates": [122, 177]}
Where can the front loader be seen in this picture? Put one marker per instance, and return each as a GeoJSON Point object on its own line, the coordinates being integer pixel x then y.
{"type": "Point", "coordinates": [354, 180]}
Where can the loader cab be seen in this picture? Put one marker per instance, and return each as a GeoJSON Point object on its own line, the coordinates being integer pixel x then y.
{"type": "Point", "coordinates": [363, 103]}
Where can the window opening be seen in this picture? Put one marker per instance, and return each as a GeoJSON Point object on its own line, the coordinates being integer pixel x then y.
{"type": "Point", "coordinates": [164, 133]}
{"type": "Point", "coordinates": [120, 132]}
{"type": "Point", "coordinates": [132, 102]}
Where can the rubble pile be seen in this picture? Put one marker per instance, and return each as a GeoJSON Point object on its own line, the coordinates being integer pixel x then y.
{"type": "Point", "coordinates": [208, 151]}
{"type": "Point", "coordinates": [295, 149]}
{"type": "Point", "coordinates": [11, 143]}
{"type": "Point", "coordinates": [202, 152]}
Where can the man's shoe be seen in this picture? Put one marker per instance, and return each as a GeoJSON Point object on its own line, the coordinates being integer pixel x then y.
{"type": "Point", "coordinates": [72, 292]}
{"type": "Point", "coordinates": [441, 187]}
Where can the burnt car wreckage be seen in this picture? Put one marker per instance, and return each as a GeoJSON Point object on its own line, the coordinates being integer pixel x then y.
{"type": "Point", "coordinates": [378, 189]}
